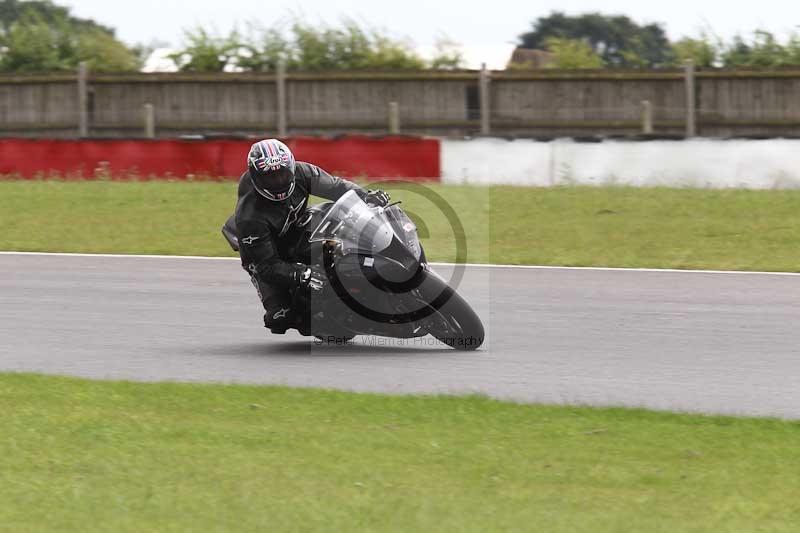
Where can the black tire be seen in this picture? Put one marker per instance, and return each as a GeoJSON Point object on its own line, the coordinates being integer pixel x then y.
{"type": "Point", "coordinates": [452, 320]}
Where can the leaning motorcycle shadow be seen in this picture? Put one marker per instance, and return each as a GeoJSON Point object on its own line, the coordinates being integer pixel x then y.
{"type": "Point", "coordinates": [309, 348]}
{"type": "Point", "coordinates": [356, 348]}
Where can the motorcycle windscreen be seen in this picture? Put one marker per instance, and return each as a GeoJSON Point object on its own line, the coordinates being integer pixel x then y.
{"type": "Point", "coordinates": [405, 230]}
{"type": "Point", "coordinates": [355, 225]}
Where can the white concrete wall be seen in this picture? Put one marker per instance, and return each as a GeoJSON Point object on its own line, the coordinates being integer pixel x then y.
{"type": "Point", "coordinates": [754, 164]}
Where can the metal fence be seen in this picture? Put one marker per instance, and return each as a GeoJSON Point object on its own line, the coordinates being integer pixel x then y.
{"type": "Point", "coordinates": [507, 103]}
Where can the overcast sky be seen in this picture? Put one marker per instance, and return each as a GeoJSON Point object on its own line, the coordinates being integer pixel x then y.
{"type": "Point", "coordinates": [485, 29]}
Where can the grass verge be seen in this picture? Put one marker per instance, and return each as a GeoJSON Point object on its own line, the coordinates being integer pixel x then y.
{"type": "Point", "coordinates": [116, 456]}
{"type": "Point", "coordinates": [574, 226]}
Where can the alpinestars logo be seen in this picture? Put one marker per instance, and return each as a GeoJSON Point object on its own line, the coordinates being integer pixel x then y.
{"type": "Point", "coordinates": [250, 240]}
{"type": "Point", "coordinates": [291, 218]}
{"type": "Point", "coordinates": [280, 314]}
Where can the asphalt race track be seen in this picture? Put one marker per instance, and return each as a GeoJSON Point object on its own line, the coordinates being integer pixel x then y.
{"type": "Point", "coordinates": [707, 342]}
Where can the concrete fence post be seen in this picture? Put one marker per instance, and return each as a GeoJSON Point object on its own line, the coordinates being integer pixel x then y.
{"type": "Point", "coordinates": [149, 121]}
{"type": "Point", "coordinates": [689, 80]}
{"type": "Point", "coordinates": [394, 118]}
{"type": "Point", "coordinates": [647, 117]}
{"type": "Point", "coordinates": [280, 90]}
{"type": "Point", "coordinates": [83, 100]}
{"type": "Point", "coordinates": [485, 100]}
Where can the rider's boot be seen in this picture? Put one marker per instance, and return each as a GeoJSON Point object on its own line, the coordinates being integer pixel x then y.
{"type": "Point", "coordinates": [278, 320]}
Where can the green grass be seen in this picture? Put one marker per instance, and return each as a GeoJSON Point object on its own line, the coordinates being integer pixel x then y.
{"type": "Point", "coordinates": [113, 456]}
{"type": "Point", "coordinates": [575, 226]}
{"type": "Point", "coordinates": [647, 227]}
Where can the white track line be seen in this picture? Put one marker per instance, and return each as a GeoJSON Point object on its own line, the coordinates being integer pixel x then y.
{"type": "Point", "coordinates": [132, 256]}
{"type": "Point", "coordinates": [472, 265]}
{"type": "Point", "coordinates": [624, 269]}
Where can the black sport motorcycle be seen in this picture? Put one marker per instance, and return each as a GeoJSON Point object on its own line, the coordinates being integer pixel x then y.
{"type": "Point", "coordinates": [379, 281]}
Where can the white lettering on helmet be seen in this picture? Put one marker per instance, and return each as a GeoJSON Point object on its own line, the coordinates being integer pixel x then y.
{"type": "Point", "coordinates": [277, 161]}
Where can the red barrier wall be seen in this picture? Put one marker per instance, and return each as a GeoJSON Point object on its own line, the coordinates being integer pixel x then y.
{"type": "Point", "coordinates": [387, 157]}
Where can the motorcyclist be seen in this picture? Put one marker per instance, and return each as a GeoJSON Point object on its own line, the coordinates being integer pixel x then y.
{"type": "Point", "coordinates": [273, 194]}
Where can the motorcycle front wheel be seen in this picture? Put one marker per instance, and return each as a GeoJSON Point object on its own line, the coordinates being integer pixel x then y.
{"type": "Point", "coordinates": [451, 319]}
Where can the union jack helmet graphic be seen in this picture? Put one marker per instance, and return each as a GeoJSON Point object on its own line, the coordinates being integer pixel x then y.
{"type": "Point", "coordinates": [272, 165]}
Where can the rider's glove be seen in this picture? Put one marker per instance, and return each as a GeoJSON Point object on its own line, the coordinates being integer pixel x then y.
{"type": "Point", "coordinates": [307, 277]}
{"type": "Point", "coordinates": [377, 198]}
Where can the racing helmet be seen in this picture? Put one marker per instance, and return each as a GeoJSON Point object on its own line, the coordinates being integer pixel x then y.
{"type": "Point", "coordinates": [272, 166]}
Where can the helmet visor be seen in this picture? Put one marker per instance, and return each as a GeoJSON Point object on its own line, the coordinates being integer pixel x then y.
{"type": "Point", "coordinates": [276, 185]}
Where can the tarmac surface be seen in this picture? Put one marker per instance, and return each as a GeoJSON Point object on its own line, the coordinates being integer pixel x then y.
{"type": "Point", "coordinates": [700, 342]}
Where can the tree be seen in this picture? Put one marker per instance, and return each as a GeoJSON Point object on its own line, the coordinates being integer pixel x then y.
{"type": "Point", "coordinates": [448, 55]}
{"type": "Point", "coordinates": [13, 10]}
{"type": "Point", "coordinates": [31, 44]}
{"type": "Point", "coordinates": [572, 54]}
{"type": "Point", "coordinates": [703, 51]}
{"type": "Point", "coordinates": [262, 49]}
{"type": "Point", "coordinates": [207, 53]}
{"type": "Point", "coordinates": [767, 51]}
{"type": "Point", "coordinates": [617, 39]}
{"type": "Point", "coordinates": [103, 53]}
{"type": "Point", "coordinates": [763, 50]}
{"type": "Point", "coordinates": [348, 46]}
{"type": "Point", "coordinates": [39, 36]}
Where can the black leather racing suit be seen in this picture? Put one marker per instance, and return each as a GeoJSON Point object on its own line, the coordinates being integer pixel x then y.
{"type": "Point", "coordinates": [261, 225]}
